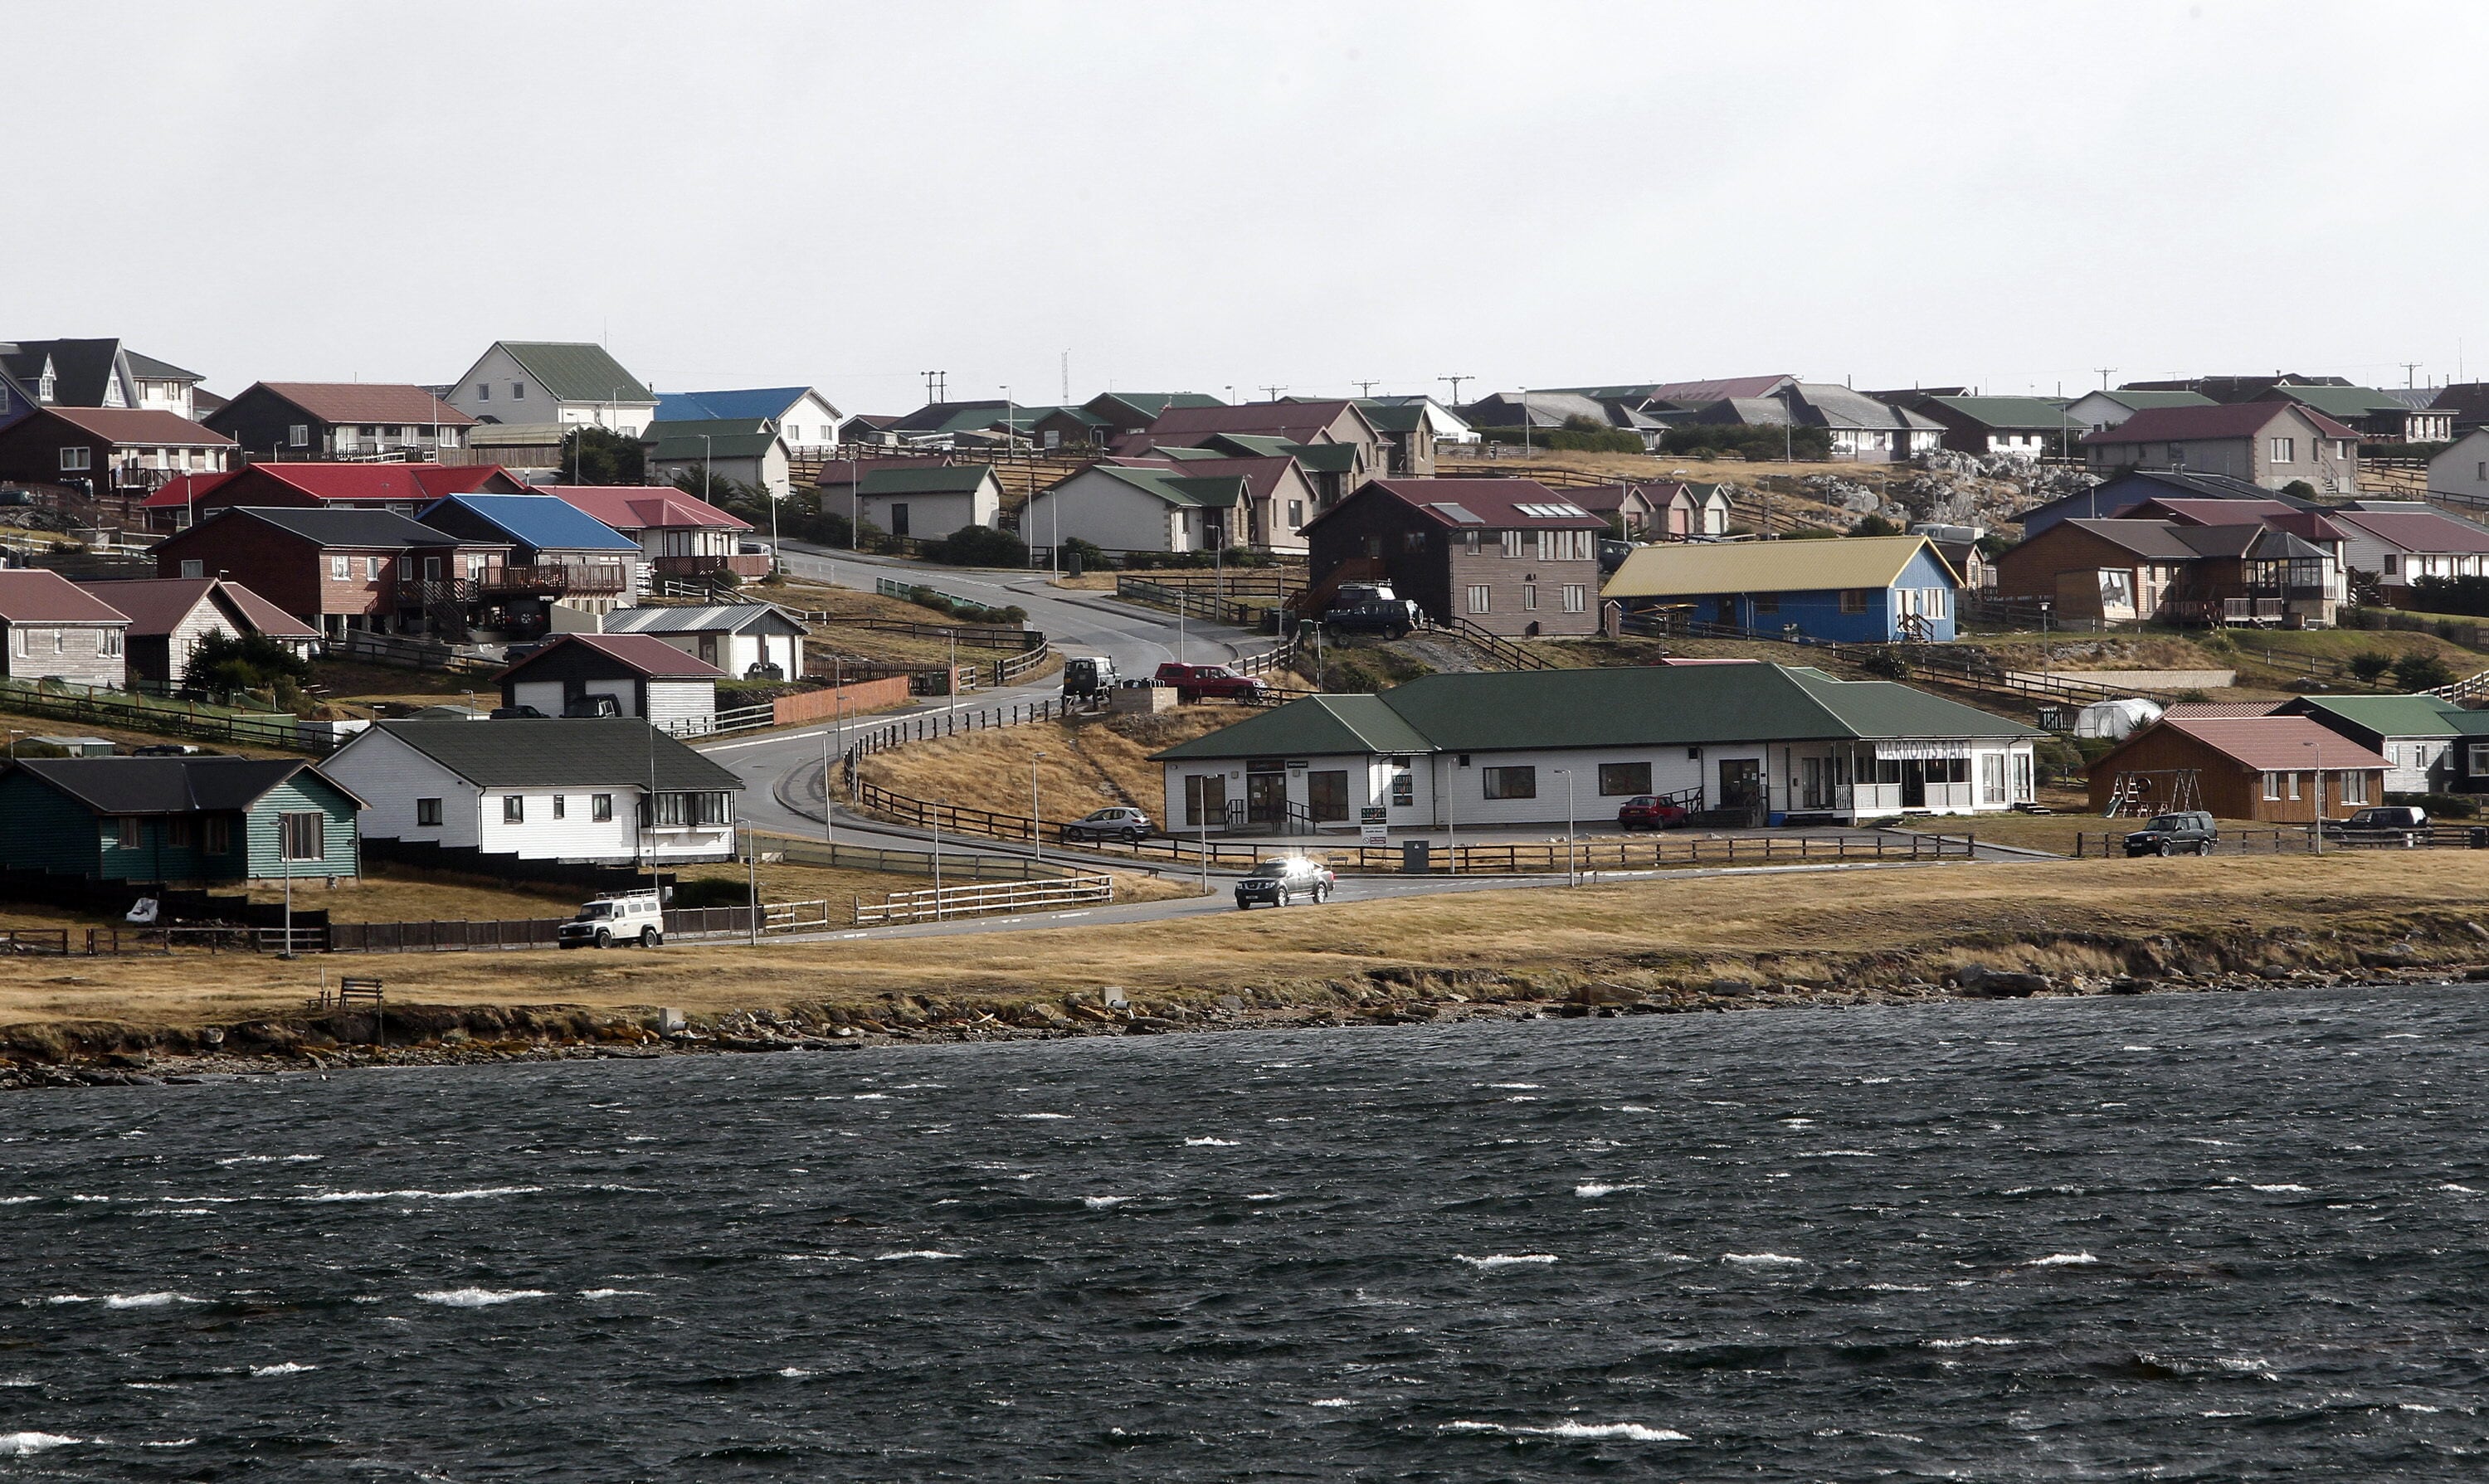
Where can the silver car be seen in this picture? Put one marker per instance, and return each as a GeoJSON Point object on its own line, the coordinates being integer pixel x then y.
{"type": "Point", "coordinates": [1121, 822]}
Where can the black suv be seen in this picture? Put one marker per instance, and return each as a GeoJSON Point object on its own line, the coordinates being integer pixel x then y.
{"type": "Point", "coordinates": [2192, 833]}
{"type": "Point", "coordinates": [1276, 881]}
{"type": "Point", "coordinates": [1390, 617]}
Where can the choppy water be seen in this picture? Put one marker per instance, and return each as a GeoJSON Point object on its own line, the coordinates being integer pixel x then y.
{"type": "Point", "coordinates": [2201, 1238]}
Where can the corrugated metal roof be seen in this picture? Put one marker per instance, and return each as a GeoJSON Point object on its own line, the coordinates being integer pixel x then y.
{"type": "Point", "coordinates": [648, 655]}
{"type": "Point", "coordinates": [539, 520]}
{"type": "Point", "coordinates": [360, 402]}
{"type": "Point", "coordinates": [1694, 569]}
{"type": "Point", "coordinates": [2432, 532]}
{"type": "Point", "coordinates": [2387, 716]}
{"type": "Point", "coordinates": [712, 619]}
{"type": "Point", "coordinates": [574, 372]}
{"type": "Point", "coordinates": [2268, 744]}
{"type": "Point", "coordinates": [169, 785]}
{"type": "Point", "coordinates": [565, 753]}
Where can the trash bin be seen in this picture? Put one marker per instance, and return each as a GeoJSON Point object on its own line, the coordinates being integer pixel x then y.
{"type": "Point", "coordinates": [2476, 838]}
{"type": "Point", "coordinates": [1418, 856]}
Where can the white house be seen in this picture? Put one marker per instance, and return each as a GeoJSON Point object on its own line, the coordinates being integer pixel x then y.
{"type": "Point", "coordinates": [632, 673]}
{"type": "Point", "coordinates": [2097, 412]}
{"type": "Point", "coordinates": [2460, 471]}
{"type": "Point", "coordinates": [743, 640]}
{"type": "Point", "coordinates": [542, 790]}
{"type": "Point", "coordinates": [1176, 503]}
{"type": "Point", "coordinates": [1537, 748]}
{"type": "Point", "coordinates": [551, 382]}
{"type": "Point", "coordinates": [746, 450]}
{"type": "Point", "coordinates": [2402, 541]}
{"type": "Point", "coordinates": [926, 500]}
{"type": "Point", "coordinates": [799, 414]}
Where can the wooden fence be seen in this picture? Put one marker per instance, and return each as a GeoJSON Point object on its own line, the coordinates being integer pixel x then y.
{"type": "Point", "coordinates": [173, 718]}
{"type": "Point", "coordinates": [2299, 840]}
{"type": "Point", "coordinates": [1191, 604]}
{"type": "Point", "coordinates": [919, 863]}
{"type": "Point", "coordinates": [937, 905]}
{"type": "Point", "coordinates": [405, 653]}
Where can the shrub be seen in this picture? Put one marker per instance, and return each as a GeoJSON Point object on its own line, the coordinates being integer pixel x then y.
{"type": "Point", "coordinates": [2464, 595]}
{"type": "Point", "coordinates": [254, 662]}
{"type": "Point", "coordinates": [980, 545]}
{"type": "Point", "coordinates": [1092, 558]}
{"type": "Point", "coordinates": [2422, 673]}
{"type": "Point", "coordinates": [2299, 489]}
{"type": "Point", "coordinates": [594, 455]}
{"type": "Point", "coordinates": [2450, 806]}
{"type": "Point", "coordinates": [1874, 525]}
{"type": "Point", "coordinates": [2370, 664]}
{"type": "Point", "coordinates": [1887, 664]}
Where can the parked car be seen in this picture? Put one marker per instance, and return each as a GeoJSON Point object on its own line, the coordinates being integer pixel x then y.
{"type": "Point", "coordinates": [1650, 811]}
{"type": "Point", "coordinates": [1391, 617]}
{"type": "Point", "coordinates": [1193, 682]}
{"type": "Point", "coordinates": [526, 713]}
{"type": "Point", "coordinates": [1120, 822]}
{"type": "Point", "coordinates": [2189, 833]}
{"type": "Point", "coordinates": [1612, 555]}
{"type": "Point", "coordinates": [168, 750]}
{"type": "Point", "coordinates": [624, 917]}
{"type": "Point", "coordinates": [2383, 824]}
{"type": "Point", "coordinates": [1279, 881]}
{"type": "Point", "coordinates": [1088, 674]}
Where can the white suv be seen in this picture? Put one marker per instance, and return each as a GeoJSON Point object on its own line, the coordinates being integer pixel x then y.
{"type": "Point", "coordinates": [624, 917]}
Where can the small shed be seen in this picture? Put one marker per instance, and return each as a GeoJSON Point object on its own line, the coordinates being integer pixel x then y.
{"type": "Point", "coordinates": [2115, 718]}
{"type": "Point", "coordinates": [641, 675]}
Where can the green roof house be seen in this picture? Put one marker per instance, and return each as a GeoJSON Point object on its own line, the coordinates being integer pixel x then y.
{"type": "Point", "coordinates": [748, 450]}
{"type": "Point", "coordinates": [553, 382]}
{"type": "Point", "coordinates": [175, 820]}
{"type": "Point", "coordinates": [2415, 734]}
{"type": "Point", "coordinates": [1535, 749]}
{"type": "Point", "coordinates": [921, 498]}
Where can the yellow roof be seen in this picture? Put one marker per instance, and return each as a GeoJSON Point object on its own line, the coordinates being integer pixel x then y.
{"type": "Point", "coordinates": [1691, 569]}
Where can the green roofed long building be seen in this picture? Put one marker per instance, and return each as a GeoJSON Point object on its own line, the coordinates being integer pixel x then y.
{"type": "Point", "coordinates": [1452, 751]}
{"type": "Point", "coordinates": [561, 383]}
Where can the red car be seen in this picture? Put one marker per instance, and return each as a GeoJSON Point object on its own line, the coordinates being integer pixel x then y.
{"type": "Point", "coordinates": [1649, 811]}
{"type": "Point", "coordinates": [1193, 682]}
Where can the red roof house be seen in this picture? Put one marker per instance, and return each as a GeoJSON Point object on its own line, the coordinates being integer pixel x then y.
{"type": "Point", "coordinates": [107, 450]}
{"type": "Point", "coordinates": [641, 676]}
{"type": "Point", "coordinates": [2271, 443]}
{"type": "Point", "coordinates": [170, 616]}
{"type": "Point", "coordinates": [404, 488]}
{"type": "Point", "coordinates": [338, 419]}
{"type": "Point", "coordinates": [682, 534]}
{"type": "Point", "coordinates": [2242, 767]}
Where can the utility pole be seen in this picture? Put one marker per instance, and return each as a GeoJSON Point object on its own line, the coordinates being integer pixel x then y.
{"type": "Point", "coordinates": [1364, 388]}
{"type": "Point", "coordinates": [1066, 377]}
{"type": "Point", "coordinates": [2105, 372]}
{"type": "Point", "coordinates": [1273, 392]}
{"type": "Point", "coordinates": [1456, 386]}
{"type": "Point", "coordinates": [2409, 366]}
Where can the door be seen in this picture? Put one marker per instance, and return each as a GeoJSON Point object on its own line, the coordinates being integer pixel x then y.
{"type": "Point", "coordinates": [1741, 787]}
{"type": "Point", "coordinates": [1265, 797]}
{"type": "Point", "coordinates": [899, 517]}
{"type": "Point", "coordinates": [1327, 796]}
{"type": "Point", "coordinates": [431, 569]}
{"type": "Point", "coordinates": [1914, 783]}
{"type": "Point", "coordinates": [708, 648]}
{"type": "Point", "coordinates": [1811, 776]}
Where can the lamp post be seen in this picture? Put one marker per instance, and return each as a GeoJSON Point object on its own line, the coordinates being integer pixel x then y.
{"type": "Point", "coordinates": [708, 451]}
{"type": "Point", "coordinates": [752, 878]}
{"type": "Point", "coordinates": [1571, 878]}
{"type": "Point", "coordinates": [2319, 748]}
{"type": "Point", "coordinates": [935, 814]}
{"type": "Point", "coordinates": [855, 505]}
{"type": "Point", "coordinates": [1035, 816]}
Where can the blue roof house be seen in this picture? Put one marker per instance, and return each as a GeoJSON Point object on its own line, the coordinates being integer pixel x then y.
{"type": "Point", "coordinates": [560, 555]}
{"type": "Point", "coordinates": [1852, 589]}
{"type": "Point", "coordinates": [800, 416]}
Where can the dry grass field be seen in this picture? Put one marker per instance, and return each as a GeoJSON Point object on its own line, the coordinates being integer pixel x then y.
{"type": "Point", "coordinates": [1817, 926]}
{"type": "Point", "coordinates": [1087, 762]}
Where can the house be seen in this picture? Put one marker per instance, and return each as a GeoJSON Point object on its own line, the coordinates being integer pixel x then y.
{"type": "Point", "coordinates": [2170, 571]}
{"type": "Point", "coordinates": [2271, 443]}
{"type": "Point", "coordinates": [2460, 471]}
{"type": "Point", "coordinates": [2028, 427]}
{"type": "Point", "coordinates": [2413, 733]}
{"type": "Point", "coordinates": [1631, 509]}
{"type": "Point", "coordinates": [747, 640]}
{"type": "Point", "coordinates": [1126, 413]}
{"type": "Point", "coordinates": [114, 451]}
{"type": "Point", "coordinates": [2402, 542]}
{"type": "Point", "coordinates": [1960, 547]}
{"type": "Point", "coordinates": [2122, 493]}
{"type": "Point", "coordinates": [541, 791]}
{"type": "Point", "coordinates": [2464, 767]}
{"type": "Point", "coordinates": [1075, 428]}
{"type": "Point", "coordinates": [1857, 590]}
{"type": "Point", "coordinates": [52, 629]}
{"type": "Point", "coordinates": [949, 424]}
{"type": "Point", "coordinates": [2096, 410]}
{"type": "Point", "coordinates": [176, 821]}
{"type": "Point", "coordinates": [679, 536]}
{"type": "Point", "coordinates": [919, 498]}
{"type": "Point", "coordinates": [1509, 555]}
{"type": "Point", "coordinates": [1551, 412]}
{"type": "Point", "coordinates": [558, 554]}
{"type": "Point", "coordinates": [1536, 748]}
{"type": "Point", "coordinates": [1176, 503]}
{"type": "Point", "coordinates": [803, 420]}
{"type": "Point", "coordinates": [1450, 426]}
{"type": "Point", "coordinates": [1408, 429]}
{"type": "Point", "coordinates": [342, 570]}
{"type": "Point", "coordinates": [339, 420]}
{"type": "Point", "coordinates": [171, 616]}
{"type": "Point", "coordinates": [2378, 416]}
{"type": "Point", "coordinates": [641, 676]}
{"type": "Point", "coordinates": [1258, 429]}
{"type": "Point", "coordinates": [99, 373]}
{"type": "Point", "coordinates": [745, 451]}
{"type": "Point", "coordinates": [402, 489]}
{"type": "Point", "coordinates": [569, 384]}
{"type": "Point", "coordinates": [2239, 767]}
{"type": "Point", "coordinates": [1861, 429]}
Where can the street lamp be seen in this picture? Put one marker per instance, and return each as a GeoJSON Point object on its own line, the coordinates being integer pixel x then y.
{"type": "Point", "coordinates": [2319, 748]}
{"type": "Point", "coordinates": [708, 450]}
{"type": "Point", "coordinates": [1035, 816]}
{"type": "Point", "coordinates": [1571, 878]}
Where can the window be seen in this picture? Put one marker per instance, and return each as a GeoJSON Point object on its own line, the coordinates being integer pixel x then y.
{"type": "Point", "coordinates": [2355, 788]}
{"type": "Point", "coordinates": [77, 457]}
{"type": "Point", "coordinates": [60, 641]}
{"type": "Point", "coordinates": [1296, 512]}
{"type": "Point", "coordinates": [514, 808]}
{"type": "Point", "coordinates": [338, 568]}
{"type": "Point", "coordinates": [1623, 779]}
{"type": "Point", "coordinates": [1404, 786]}
{"type": "Point", "coordinates": [2022, 778]}
{"type": "Point", "coordinates": [1413, 541]}
{"type": "Point", "coordinates": [127, 832]}
{"type": "Point", "coordinates": [427, 813]}
{"type": "Point", "coordinates": [1479, 600]}
{"type": "Point", "coordinates": [1327, 796]}
{"type": "Point", "coordinates": [600, 807]}
{"type": "Point", "coordinates": [561, 806]}
{"type": "Point", "coordinates": [1529, 597]}
{"type": "Point", "coordinates": [2477, 753]}
{"type": "Point", "coordinates": [1520, 783]}
{"type": "Point", "coordinates": [371, 569]}
{"type": "Point", "coordinates": [1767, 602]}
{"type": "Point", "coordinates": [1512, 543]}
{"type": "Point", "coordinates": [303, 837]}
{"type": "Point", "coordinates": [2177, 453]}
{"type": "Point", "coordinates": [1853, 600]}
{"type": "Point", "coordinates": [108, 643]}
{"type": "Point", "coordinates": [2393, 563]}
{"type": "Point", "coordinates": [1546, 544]}
{"type": "Point", "coordinates": [181, 834]}
{"type": "Point", "coordinates": [483, 391]}
{"type": "Point", "coordinates": [2292, 784]}
{"type": "Point", "coordinates": [2272, 785]}
{"type": "Point", "coordinates": [683, 810]}
{"type": "Point", "coordinates": [518, 391]}
{"type": "Point", "coordinates": [2283, 449]}
{"type": "Point", "coordinates": [219, 834]}
{"type": "Point", "coordinates": [298, 436]}
{"type": "Point", "coordinates": [1992, 778]}
{"type": "Point", "coordinates": [1577, 597]}
{"type": "Point", "coordinates": [1469, 538]}
{"type": "Point", "coordinates": [1205, 799]}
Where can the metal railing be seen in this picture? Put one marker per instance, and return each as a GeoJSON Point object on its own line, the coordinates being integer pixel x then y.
{"type": "Point", "coordinates": [935, 905]}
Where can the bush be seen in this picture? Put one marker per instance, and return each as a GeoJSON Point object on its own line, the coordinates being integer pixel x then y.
{"type": "Point", "coordinates": [2370, 664]}
{"type": "Point", "coordinates": [980, 545]}
{"type": "Point", "coordinates": [964, 610]}
{"type": "Point", "coordinates": [2448, 805]}
{"type": "Point", "coordinates": [2464, 595]}
{"type": "Point", "coordinates": [715, 893]}
{"type": "Point", "coordinates": [1874, 525]}
{"type": "Point", "coordinates": [1886, 664]}
{"type": "Point", "coordinates": [1093, 557]}
{"type": "Point", "coordinates": [2299, 489]}
{"type": "Point", "coordinates": [593, 455]}
{"type": "Point", "coordinates": [2422, 673]}
{"type": "Point", "coordinates": [254, 662]}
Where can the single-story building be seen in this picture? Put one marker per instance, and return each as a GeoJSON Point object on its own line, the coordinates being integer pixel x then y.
{"type": "Point", "coordinates": [168, 820]}
{"type": "Point", "coordinates": [641, 676]}
{"type": "Point", "coordinates": [542, 790]}
{"type": "Point", "coordinates": [2239, 767]}
{"type": "Point", "coordinates": [52, 629]}
{"type": "Point", "coordinates": [2465, 768]}
{"type": "Point", "coordinates": [171, 616]}
{"type": "Point", "coordinates": [1123, 504]}
{"type": "Point", "coordinates": [922, 498]}
{"type": "Point", "coordinates": [560, 555]}
{"type": "Point", "coordinates": [681, 535]}
{"type": "Point", "coordinates": [2404, 541]}
{"type": "Point", "coordinates": [748, 450]}
{"type": "Point", "coordinates": [1856, 589]}
{"type": "Point", "coordinates": [747, 640]}
{"type": "Point", "coordinates": [2123, 571]}
{"type": "Point", "coordinates": [1536, 748]}
{"type": "Point", "coordinates": [2413, 733]}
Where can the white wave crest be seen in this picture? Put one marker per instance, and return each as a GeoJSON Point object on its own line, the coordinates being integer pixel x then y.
{"type": "Point", "coordinates": [2063, 1259]}
{"type": "Point", "coordinates": [2280, 1189]}
{"type": "Point", "coordinates": [1762, 1260]}
{"type": "Point", "coordinates": [1263, 1195]}
{"type": "Point", "coordinates": [1593, 1191]}
{"type": "Point", "coordinates": [2458, 1189]}
{"type": "Point", "coordinates": [1210, 1143]}
{"type": "Point", "coordinates": [792, 1374]}
{"type": "Point", "coordinates": [927, 1253]}
{"type": "Point", "coordinates": [18, 1200]}
{"type": "Point", "coordinates": [1493, 1261]}
{"type": "Point", "coordinates": [1625, 1431]}
{"type": "Point", "coordinates": [160, 1300]}
{"type": "Point", "coordinates": [614, 1293]}
{"type": "Point", "coordinates": [1966, 1342]}
{"type": "Point", "coordinates": [1102, 1202]}
{"type": "Point", "coordinates": [1332, 1400]}
{"type": "Point", "coordinates": [26, 1444]}
{"type": "Point", "coordinates": [480, 1298]}
{"type": "Point", "coordinates": [271, 1159]}
{"type": "Point", "coordinates": [281, 1368]}
{"type": "Point", "coordinates": [481, 1192]}
{"type": "Point", "coordinates": [1037, 1117]}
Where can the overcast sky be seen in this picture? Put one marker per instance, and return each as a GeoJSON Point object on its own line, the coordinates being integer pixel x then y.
{"type": "Point", "coordinates": [1199, 196]}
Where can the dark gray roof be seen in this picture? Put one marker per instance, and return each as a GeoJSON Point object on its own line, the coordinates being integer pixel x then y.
{"type": "Point", "coordinates": [170, 786]}
{"type": "Point", "coordinates": [349, 528]}
{"type": "Point", "coordinates": [710, 618]}
{"type": "Point", "coordinates": [617, 751]}
{"type": "Point", "coordinates": [81, 369]}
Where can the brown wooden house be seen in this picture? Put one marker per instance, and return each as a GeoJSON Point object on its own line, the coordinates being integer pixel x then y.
{"type": "Point", "coordinates": [340, 570]}
{"type": "Point", "coordinates": [1510, 555]}
{"type": "Point", "coordinates": [2137, 570]}
{"type": "Point", "coordinates": [2245, 767]}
